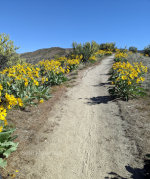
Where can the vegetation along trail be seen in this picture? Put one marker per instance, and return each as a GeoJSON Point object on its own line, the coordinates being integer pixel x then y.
{"type": "Point", "coordinates": [89, 142]}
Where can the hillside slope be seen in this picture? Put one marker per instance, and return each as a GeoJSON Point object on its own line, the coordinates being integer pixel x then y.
{"type": "Point", "coordinates": [47, 53]}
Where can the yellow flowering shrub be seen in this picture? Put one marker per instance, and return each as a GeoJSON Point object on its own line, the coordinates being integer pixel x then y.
{"type": "Point", "coordinates": [93, 58]}
{"type": "Point", "coordinates": [103, 52]}
{"type": "Point", "coordinates": [17, 82]}
{"type": "Point", "coordinates": [22, 83]}
{"type": "Point", "coordinates": [52, 71]}
{"type": "Point", "coordinates": [127, 79]}
{"type": "Point", "coordinates": [6, 102]}
{"type": "Point", "coordinates": [3, 114]}
{"type": "Point", "coordinates": [121, 55]}
{"type": "Point", "coordinates": [72, 62]}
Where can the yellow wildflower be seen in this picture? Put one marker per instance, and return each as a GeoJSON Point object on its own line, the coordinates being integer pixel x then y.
{"type": "Point", "coordinates": [20, 101]}
{"type": "Point", "coordinates": [1, 87]}
{"type": "Point", "coordinates": [138, 80]}
{"type": "Point", "coordinates": [129, 82]}
{"type": "Point", "coordinates": [36, 82]}
{"type": "Point", "coordinates": [9, 107]}
{"type": "Point", "coordinates": [1, 128]}
{"type": "Point", "coordinates": [142, 79]}
{"type": "Point", "coordinates": [124, 77]}
{"type": "Point", "coordinates": [41, 101]}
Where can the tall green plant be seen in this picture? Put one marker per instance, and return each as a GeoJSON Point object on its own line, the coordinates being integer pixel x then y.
{"type": "Point", "coordinates": [133, 49]}
{"type": "Point", "coordinates": [86, 49]}
{"type": "Point", "coordinates": [107, 46]}
{"type": "Point", "coordinates": [8, 55]}
{"type": "Point", "coordinates": [147, 50]}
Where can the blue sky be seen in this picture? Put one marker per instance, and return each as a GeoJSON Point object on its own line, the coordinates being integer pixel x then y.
{"type": "Point", "coordinates": [35, 24]}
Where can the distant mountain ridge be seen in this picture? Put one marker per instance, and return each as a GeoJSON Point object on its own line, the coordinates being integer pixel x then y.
{"type": "Point", "coordinates": [46, 53]}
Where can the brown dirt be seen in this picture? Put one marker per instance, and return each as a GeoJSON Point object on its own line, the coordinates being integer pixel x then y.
{"type": "Point", "coordinates": [136, 116]}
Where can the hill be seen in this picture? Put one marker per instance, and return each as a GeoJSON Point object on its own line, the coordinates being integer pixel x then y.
{"type": "Point", "coordinates": [46, 53]}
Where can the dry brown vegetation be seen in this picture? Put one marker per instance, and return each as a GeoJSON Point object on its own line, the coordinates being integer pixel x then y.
{"type": "Point", "coordinates": [47, 53]}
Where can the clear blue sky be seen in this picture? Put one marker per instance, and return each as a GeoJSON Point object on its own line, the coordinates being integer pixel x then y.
{"type": "Point", "coordinates": [35, 24]}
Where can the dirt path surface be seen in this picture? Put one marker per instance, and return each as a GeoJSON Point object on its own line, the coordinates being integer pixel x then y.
{"type": "Point", "coordinates": [89, 141]}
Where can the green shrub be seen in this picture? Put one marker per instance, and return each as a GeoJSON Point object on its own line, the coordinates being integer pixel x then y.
{"type": "Point", "coordinates": [127, 79]}
{"type": "Point", "coordinates": [123, 49]}
{"type": "Point", "coordinates": [107, 46]}
{"type": "Point", "coordinates": [133, 49]}
{"type": "Point", "coordinates": [147, 50]}
{"type": "Point", "coordinates": [86, 49]}
{"type": "Point", "coordinates": [8, 55]}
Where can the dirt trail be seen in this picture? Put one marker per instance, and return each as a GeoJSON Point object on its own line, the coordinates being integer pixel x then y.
{"type": "Point", "coordinates": [89, 142]}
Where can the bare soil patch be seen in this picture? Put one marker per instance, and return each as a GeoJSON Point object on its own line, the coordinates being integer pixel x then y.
{"type": "Point", "coordinates": [136, 114]}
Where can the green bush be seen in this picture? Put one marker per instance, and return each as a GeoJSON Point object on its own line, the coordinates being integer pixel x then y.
{"type": "Point", "coordinates": [147, 50]}
{"type": "Point", "coordinates": [123, 49]}
{"type": "Point", "coordinates": [8, 55]}
{"type": "Point", "coordinates": [86, 49]}
{"type": "Point", "coordinates": [107, 46]}
{"type": "Point", "coordinates": [133, 49]}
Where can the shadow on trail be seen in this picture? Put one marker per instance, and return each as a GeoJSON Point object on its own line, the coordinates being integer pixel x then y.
{"type": "Point", "coordinates": [99, 100]}
{"type": "Point", "coordinates": [102, 84]}
{"type": "Point", "coordinates": [136, 173]}
{"type": "Point", "coordinates": [114, 176]}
